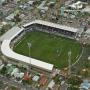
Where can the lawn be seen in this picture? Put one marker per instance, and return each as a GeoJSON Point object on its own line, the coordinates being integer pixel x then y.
{"type": "Point", "coordinates": [48, 48]}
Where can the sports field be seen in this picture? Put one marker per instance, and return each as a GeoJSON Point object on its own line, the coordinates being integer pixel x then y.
{"type": "Point", "coordinates": [48, 48]}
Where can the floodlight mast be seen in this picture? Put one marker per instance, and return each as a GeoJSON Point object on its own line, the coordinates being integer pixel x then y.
{"type": "Point", "coordinates": [29, 46]}
{"type": "Point", "coordinates": [69, 62]}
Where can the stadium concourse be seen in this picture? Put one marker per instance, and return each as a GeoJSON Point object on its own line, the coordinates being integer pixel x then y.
{"type": "Point", "coordinates": [15, 33]}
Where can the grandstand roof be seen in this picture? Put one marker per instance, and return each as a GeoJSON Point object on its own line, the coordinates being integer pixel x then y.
{"type": "Point", "coordinates": [66, 28]}
{"type": "Point", "coordinates": [11, 33]}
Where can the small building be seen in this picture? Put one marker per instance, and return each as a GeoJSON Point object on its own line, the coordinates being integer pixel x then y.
{"type": "Point", "coordinates": [10, 17]}
{"type": "Point", "coordinates": [30, 2]}
{"type": "Point", "coordinates": [68, 2]}
{"type": "Point", "coordinates": [87, 9]}
{"type": "Point", "coordinates": [16, 70]}
{"type": "Point", "coordinates": [1, 63]}
{"type": "Point", "coordinates": [2, 24]}
{"type": "Point", "coordinates": [85, 85]}
{"type": "Point", "coordinates": [35, 78]}
{"type": "Point", "coordinates": [21, 16]}
{"type": "Point", "coordinates": [62, 11]}
{"type": "Point", "coordinates": [51, 85]}
{"type": "Point", "coordinates": [88, 32]}
{"type": "Point", "coordinates": [55, 72]}
{"type": "Point", "coordinates": [2, 1]}
{"type": "Point", "coordinates": [19, 75]}
{"type": "Point", "coordinates": [43, 80]}
{"type": "Point", "coordinates": [26, 76]}
{"type": "Point", "coordinates": [1, 66]}
{"type": "Point", "coordinates": [51, 3]}
{"type": "Point", "coordinates": [11, 23]}
{"type": "Point", "coordinates": [9, 65]}
{"type": "Point", "coordinates": [42, 6]}
{"type": "Point", "coordinates": [10, 69]}
{"type": "Point", "coordinates": [16, 1]}
{"type": "Point", "coordinates": [77, 5]}
{"type": "Point", "coordinates": [64, 73]}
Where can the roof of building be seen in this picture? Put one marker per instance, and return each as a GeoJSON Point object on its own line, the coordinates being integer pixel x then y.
{"type": "Point", "coordinates": [1, 66]}
{"type": "Point", "coordinates": [1, 62]}
{"type": "Point", "coordinates": [20, 75]}
{"type": "Point", "coordinates": [85, 85]}
{"type": "Point", "coordinates": [42, 6]}
{"type": "Point", "coordinates": [1, 1]}
{"type": "Point", "coordinates": [30, 2]}
{"type": "Point", "coordinates": [51, 84]}
{"type": "Point", "coordinates": [87, 9]}
{"type": "Point", "coordinates": [2, 24]}
{"type": "Point", "coordinates": [71, 29]}
{"type": "Point", "coordinates": [77, 5]}
{"type": "Point", "coordinates": [35, 78]}
{"type": "Point", "coordinates": [11, 33]}
{"type": "Point", "coordinates": [16, 70]}
{"type": "Point", "coordinates": [26, 76]}
{"type": "Point", "coordinates": [88, 31]}
{"type": "Point", "coordinates": [10, 17]}
{"type": "Point", "coordinates": [42, 80]}
{"type": "Point", "coordinates": [10, 69]}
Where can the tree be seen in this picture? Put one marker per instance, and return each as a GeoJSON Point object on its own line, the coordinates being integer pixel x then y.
{"type": "Point", "coordinates": [3, 71]}
{"type": "Point", "coordinates": [73, 88]}
{"type": "Point", "coordinates": [88, 22]}
{"type": "Point", "coordinates": [17, 18]}
{"type": "Point", "coordinates": [1, 15]}
{"type": "Point", "coordinates": [74, 80]}
{"type": "Point", "coordinates": [5, 28]}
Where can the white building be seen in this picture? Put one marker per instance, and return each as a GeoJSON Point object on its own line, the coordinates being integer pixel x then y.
{"type": "Point", "coordinates": [42, 6]}
{"type": "Point", "coordinates": [16, 70]}
{"type": "Point", "coordinates": [51, 85]}
{"type": "Point", "coordinates": [31, 3]}
{"type": "Point", "coordinates": [77, 5]}
{"type": "Point", "coordinates": [87, 9]}
{"type": "Point", "coordinates": [10, 17]}
{"type": "Point", "coordinates": [2, 1]}
{"type": "Point", "coordinates": [85, 85]}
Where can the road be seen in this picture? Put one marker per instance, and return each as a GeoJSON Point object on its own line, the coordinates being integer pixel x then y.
{"type": "Point", "coordinates": [16, 84]}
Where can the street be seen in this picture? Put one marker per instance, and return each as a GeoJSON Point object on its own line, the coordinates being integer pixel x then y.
{"type": "Point", "coordinates": [16, 84]}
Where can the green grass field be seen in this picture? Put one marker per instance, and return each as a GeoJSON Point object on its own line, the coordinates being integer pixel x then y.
{"type": "Point", "coordinates": [48, 48]}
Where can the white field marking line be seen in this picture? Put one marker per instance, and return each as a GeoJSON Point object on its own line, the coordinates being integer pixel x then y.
{"type": "Point", "coordinates": [20, 41]}
{"type": "Point", "coordinates": [79, 57]}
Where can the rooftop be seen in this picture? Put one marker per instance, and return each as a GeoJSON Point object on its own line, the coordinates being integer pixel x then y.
{"type": "Point", "coordinates": [10, 34]}
{"type": "Point", "coordinates": [85, 85]}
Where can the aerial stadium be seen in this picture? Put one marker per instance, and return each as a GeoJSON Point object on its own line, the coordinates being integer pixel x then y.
{"type": "Point", "coordinates": [49, 45]}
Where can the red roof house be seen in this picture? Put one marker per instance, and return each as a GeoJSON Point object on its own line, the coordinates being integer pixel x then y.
{"type": "Point", "coordinates": [42, 80]}
{"type": "Point", "coordinates": [26, 76]}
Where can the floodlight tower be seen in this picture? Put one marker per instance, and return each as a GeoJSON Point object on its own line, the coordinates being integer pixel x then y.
{"type": "Point", "coordinates": [69, 62]}
{"type": "Point", "coordinates": [29, 46]}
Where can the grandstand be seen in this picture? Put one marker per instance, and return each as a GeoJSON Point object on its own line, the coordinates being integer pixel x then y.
{"type": "Point", "coordinates": [52, 27]}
